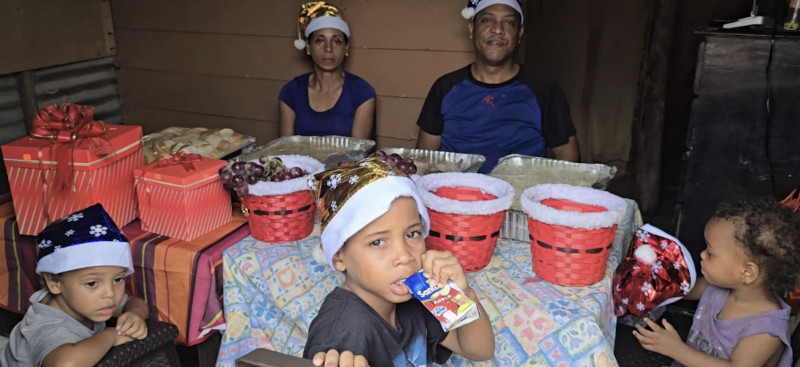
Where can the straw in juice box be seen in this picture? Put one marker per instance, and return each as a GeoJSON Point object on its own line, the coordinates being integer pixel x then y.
{"type": "Point", "coordinates": [449, 304]}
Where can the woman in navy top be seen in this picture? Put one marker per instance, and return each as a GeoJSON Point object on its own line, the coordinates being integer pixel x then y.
{"type": "Point", "coordinates": [328, 100]}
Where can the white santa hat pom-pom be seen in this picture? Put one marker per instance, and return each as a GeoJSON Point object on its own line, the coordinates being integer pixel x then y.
{"type": "Point", "coordinates": [468, 13]}
{"type": "Point", "coordinates": [299, 44]}
{"type": "Point", "coordinates": [645, 254]}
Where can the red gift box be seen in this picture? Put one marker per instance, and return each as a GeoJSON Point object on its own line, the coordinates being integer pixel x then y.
{"type": "Point", "coordinates": [31, 166]}
{"type": "Point", "coordinates": [181, 196]}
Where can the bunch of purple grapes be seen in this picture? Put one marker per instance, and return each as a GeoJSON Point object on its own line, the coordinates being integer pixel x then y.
{"type": "Point", "coordinates": [237, 175]}
{"type": "Point", "coordinates": [404, 164]}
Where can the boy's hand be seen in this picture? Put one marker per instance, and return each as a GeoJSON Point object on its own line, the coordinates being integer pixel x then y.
{"type": "Point", "coordinates": [441, 266]}
{"type": "Point", "coordinates": [662, 340]}
{"type": "Point", "coordinates": [132, 325]}
{"type": "Point", "coordinates": [333, 358]}
{"type": "Point", "coordinates": [121, 338]}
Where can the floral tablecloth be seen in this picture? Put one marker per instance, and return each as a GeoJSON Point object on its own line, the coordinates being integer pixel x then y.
{"type": "Point", "coordinates": [271, 292]}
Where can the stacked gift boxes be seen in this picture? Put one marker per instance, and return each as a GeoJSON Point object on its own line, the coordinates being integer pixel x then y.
{"type": "Point", "coordinates": [181, 196]}
{"type": "Point", "coordinates": [32, 163]}
{"type": "Point", "coordinates": [70, 162]}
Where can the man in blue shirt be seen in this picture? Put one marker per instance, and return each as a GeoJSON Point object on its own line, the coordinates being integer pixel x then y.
{"type": "Point", "coordinates": [495, 106]}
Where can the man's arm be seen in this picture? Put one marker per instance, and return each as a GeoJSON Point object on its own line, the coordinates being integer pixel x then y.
{"type": "Point", "coordinates": [568, 151]}
{"type": "Point", "coordinates": [428, 141]}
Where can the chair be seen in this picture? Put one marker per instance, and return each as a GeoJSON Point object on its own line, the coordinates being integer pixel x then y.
{"type": "Point", "coordinates": [267, 358]}
{"type": "Point", "coordinates": [795, 343]}
{"type": "Point", "coordinates": [155, 350]}
{"type": "Point", "coordinates": [629, 352]}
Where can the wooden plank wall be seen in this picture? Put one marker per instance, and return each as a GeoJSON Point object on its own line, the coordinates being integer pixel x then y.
{"type": "Point", "coordinates": [594, 50]}
{"type": "Point", "coordinates": [218, 63]}
{"type": "Point", "coordinates": [41, 33]}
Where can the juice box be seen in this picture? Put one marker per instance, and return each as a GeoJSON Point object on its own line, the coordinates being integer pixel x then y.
{"type": "Point", "coordinates": [449, 304]}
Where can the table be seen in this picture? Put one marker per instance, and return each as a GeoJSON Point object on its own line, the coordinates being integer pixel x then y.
{"type": "Point", "coordinates": [180, 280]}
{"type": "Point", "coordinates": [271, 292]}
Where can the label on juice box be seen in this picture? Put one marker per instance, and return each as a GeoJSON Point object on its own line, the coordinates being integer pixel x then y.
{"type": "Point", "coordinates": [449, 304]}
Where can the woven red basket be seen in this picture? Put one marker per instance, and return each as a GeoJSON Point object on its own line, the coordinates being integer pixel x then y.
{"type": "Point", "coordinates": [471, 238]}
{"type": "Point", "coordinates": [466, 212]}
{"type": "Point", "coordinates": [280, 218]}
{"type": "Point", "coordinates": [568, 255]}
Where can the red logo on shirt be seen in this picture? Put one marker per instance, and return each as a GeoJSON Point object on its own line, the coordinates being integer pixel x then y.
{"type": "Point", "coordinates": [489, 100]}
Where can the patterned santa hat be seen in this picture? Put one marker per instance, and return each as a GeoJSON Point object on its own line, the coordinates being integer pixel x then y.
{"type": "Point", "coordinates": [658, 270]}
{"type": "Point", "coordinates": [316, 15]}
{"type": "Point", "coordinates": [80, 240]}
{"type": "Point", "coordinates": [475, 6]}
{"type": "Point", "coordinates": [349, 198]}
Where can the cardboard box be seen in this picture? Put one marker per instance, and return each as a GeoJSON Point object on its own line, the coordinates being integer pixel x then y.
{"type": "Point", "coordinates": [31, 167]}
{"type": "Point", "coordinates": [267, 358]}
{"type": "Point", "coordinates": [181, 203]}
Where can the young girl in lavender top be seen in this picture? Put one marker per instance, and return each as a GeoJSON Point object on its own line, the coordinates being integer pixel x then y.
{"type": "Point", "coordinates": [741, 320]}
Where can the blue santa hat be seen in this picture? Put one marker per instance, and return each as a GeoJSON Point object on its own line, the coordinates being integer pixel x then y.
{"type": "Point", "coordinates": [80, 240]}
{"type": "Point", "coordinates": [475, 6]}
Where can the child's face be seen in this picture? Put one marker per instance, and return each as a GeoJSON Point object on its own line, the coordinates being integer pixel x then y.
{"type": "Point", "coordinates": [381, 255]}
{"type": "Point", "coordinates": [89, 295]}
{"type": "Point", "coordinates": [723, 260]}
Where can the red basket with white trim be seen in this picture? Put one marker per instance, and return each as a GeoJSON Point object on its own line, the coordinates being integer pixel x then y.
{"type": "Point", "coordinates": [282, 211]}
{"type": "Point", "coordinates": [571, 231]}
{"type": "Point", "coordinates": [467, 211]}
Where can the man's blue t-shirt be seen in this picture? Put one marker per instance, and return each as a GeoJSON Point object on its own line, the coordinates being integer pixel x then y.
{"type": "Point", "coordinates": [524, 115]}
{"type": "Point", "coordinates": [336, 121]}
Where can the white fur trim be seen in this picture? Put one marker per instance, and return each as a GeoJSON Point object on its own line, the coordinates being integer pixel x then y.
{"type": "Point", "coordinates": [266, 188]}
{"type": "Point", "coordinates": [645, 254]}
{"type": "Point", "coordinates": [531, 198]}
{"type": "Point", "coordinates": [487, 184]}
{"type": "Point", "coordinates": [366, 205]}
{"type": "Point", "coordinates": [483, 4]}
{"type": "Point", "coordinates": [327, 21]}
{"type": "Point", "coordinates": [299, 44]}
{"type": "Point", "coordinates": [468, 13]}
{"type": "Point", "coordinates": [101, 253]}
{"type": "Point", "coordinates": [687, 256]}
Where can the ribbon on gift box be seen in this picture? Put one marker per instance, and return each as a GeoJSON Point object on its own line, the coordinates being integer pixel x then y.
{"type": "Point", "coordinates": [65, 126]}
{"type": "Point", "coordinates": [180, 158]}
{"type": "Point", "coordinates": [185, 159]}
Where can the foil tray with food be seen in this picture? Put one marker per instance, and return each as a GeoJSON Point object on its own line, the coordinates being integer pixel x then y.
{"type": "Point", "coordinates": [433, 161]}
{"type": "Point", "coordinates": [330, 150]}
{"type": "Point", "coordinates": [212, 143]}
{"type": "Point", "coordinates": [523, 171]}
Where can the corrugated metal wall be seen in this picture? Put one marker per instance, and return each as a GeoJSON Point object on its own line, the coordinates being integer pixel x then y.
{"type": "Point", "coordinates": [12, 122]}
{"type": "Point", "coordinates": [92, 83]}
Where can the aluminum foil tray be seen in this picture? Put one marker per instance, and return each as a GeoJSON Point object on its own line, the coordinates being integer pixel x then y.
{"type": "Point", "coordinates": [329, 150]}
{"type": "Point", "coordinates": [523, 171]}
{"type": "Point", "coordinates": [200, 140]}
{"type": "Point", "coordinates": [515, 225]}
{"type": "Point", "coordinates": [434, 161]}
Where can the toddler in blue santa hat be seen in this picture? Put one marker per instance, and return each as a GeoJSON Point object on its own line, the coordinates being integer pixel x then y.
{"type": "Point", "coordinates": [83, 259]}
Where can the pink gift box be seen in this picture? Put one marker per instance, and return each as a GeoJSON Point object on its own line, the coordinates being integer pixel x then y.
{"type": "Point", "coordinates": [181, 203]}
{"type": "Point", "coordinates": [107, 180]}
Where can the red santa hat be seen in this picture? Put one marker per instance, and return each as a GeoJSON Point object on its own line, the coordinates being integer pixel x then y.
{"type": "Point", "coordinates": [658, 270]}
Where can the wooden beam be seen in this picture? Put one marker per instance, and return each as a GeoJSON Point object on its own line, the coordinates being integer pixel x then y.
{"type": "Point", "coordinates": [648, 123]}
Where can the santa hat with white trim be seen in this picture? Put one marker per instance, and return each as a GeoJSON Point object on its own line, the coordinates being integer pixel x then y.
{"type": "Point", "coordinates": [80, 240]}
{"type": "Point", "coordinates": [349, 198]}
{"type": "Point", "coordinates": [475, 6]}
{"type": "Point", "coordinates": [316, 15]}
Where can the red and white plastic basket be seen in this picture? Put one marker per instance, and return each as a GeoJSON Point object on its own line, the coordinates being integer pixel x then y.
{"type": "Point", "coordinates": [467, 211]}
{"type": "Point", "coordinates": [571, 231]}
{"type": "Point", "coordinates": [282, 211]}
